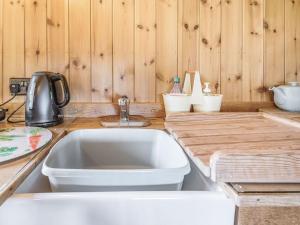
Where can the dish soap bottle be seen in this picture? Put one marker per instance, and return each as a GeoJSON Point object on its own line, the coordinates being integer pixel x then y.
{"type": "Point", "coordinates": [206, 90]}
{"type": "Point", "coordinates": [176, 86]}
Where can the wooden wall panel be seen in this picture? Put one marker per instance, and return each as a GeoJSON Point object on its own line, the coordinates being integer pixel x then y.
{"type": "Point", "coordinates": [210, 42]}
{"type": "Point", "coordinates": [1, 36]}
{"type": "Point", "coordinates": [292, 40]}
{"type": "Point", "coordinates": [123, 48]}
{"type": "Point", "coordinates": [80, 54]}
{"type": "Point", "coordinates": [166, 45]}
{"type": "Point", "coordinates": [252, 50]}
{"type": "Point", "coordinates": [111, 48]}
{"type": "Point", "coordinates": [145, 34]}
{"type": "Point", "coordinates": [273, 44]}
{"type": "Point", "coordinates": [13, 42]}
{"type": "Point", "coordinates": [102, 51]}
{"type": "Point", "coordinates": [58, 36]}
{"type": "Point", "coordinates": [231, 50]}
{"type": "Point", "coordinates": [35, 36]}
{"type": "Point", "coordinates": [190, 36]}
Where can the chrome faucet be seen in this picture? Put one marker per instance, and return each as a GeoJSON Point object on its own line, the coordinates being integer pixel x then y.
{"type": "Point", "coordinates": [124, 108]}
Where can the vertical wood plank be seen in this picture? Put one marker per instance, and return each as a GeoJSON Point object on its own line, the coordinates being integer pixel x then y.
{"type": "Point", "coordinates": [253, 50]}
{"type": "Point", "coordinates": [80, 56]}
{"type": "Point", "coordinates": [13, 42]}
{"type": "Point", "coordinates": [180, 70]}
{"type": "Point", "coordinates": [145, 50]}
{"type": "Point", "coordinates": [35, 36]}
{"type": "Point", "coordinates": [273, 44]}
{"type": "Point", "coordinates": [123, 48]}
{"type": "Point", "coordinates": [166, 45]}
{"type": "Point", "coordinates": [190, 36]}
{"type": "Point", "coordinates": [1, 52]}
{"type": "Point", "coordinates": [292, 40]}
{"type": "Point", "coordinates": [231, 50]}
{"type": "Point", "coordinates": [58, 36]}
{"type": "Point", "coordinates": [102, 50]}
{"type": "Point", "coordinates": [210, 42]}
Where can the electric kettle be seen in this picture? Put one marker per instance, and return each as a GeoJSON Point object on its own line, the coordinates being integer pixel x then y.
{"type": "Point", "coordinates": [47, 94]}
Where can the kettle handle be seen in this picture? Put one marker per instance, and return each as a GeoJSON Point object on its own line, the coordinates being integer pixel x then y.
{"type": "Point", "coordinates": [60, 77]}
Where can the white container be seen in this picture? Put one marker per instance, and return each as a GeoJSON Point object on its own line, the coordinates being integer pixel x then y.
{"type": "Point", "coordinates": [210, 103]}
{"type": "Point", "coordinates": [177, 103]}
{"type": "Point", "coordinates": [287, 97]}
{"type": "Point", "coordinates": [116, 160]}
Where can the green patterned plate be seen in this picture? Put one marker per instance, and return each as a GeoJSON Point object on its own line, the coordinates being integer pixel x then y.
{"type": "Point", "coordinates": [20, 141]}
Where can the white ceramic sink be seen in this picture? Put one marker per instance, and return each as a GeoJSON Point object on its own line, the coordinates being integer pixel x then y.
{"type": "Point", "coordinates": [200, 202]}
{"type": "Point", "coordinates": [118, 208]}
{"type": "Point", "coordinates": [116, 160]}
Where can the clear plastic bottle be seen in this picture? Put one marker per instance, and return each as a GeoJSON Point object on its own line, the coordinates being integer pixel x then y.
{"type": "Point", "coordinates": [176, 86]}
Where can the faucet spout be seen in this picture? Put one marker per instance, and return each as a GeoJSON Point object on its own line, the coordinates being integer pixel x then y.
{"type": "Point", "coordinates": [124, 108]}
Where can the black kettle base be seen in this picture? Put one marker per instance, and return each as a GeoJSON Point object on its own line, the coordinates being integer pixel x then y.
{"type": "Point", "coordinates": [44, 124]}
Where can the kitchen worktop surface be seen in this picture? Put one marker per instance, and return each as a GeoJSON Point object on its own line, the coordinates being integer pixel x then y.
{"type": "Point", "coordinates": [240, 147]}
{"type": "Point", "coordinates": [13, 173]}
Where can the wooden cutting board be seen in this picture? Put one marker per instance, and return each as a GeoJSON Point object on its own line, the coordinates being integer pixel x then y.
{"type": "Point", "coordinates": [239, 147]}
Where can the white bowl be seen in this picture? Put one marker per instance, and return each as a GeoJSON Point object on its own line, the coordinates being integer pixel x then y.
{"type": "Point", "coordinates": [210, 103]}
{"type": "Point", "coordinates": [177, 103]}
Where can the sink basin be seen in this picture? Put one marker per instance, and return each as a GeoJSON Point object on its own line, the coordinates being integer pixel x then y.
{"type": "Point", "coordinates": [116, 160]}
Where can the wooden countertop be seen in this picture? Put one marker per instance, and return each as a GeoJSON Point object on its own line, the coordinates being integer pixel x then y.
{"type": "Point", "coordinates": [239, 147]}
{"type": "Point", "coordinates": [12, 174]}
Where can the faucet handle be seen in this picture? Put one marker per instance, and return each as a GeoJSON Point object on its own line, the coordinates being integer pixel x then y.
{"type": "Point", "coordinates": [124, 100]}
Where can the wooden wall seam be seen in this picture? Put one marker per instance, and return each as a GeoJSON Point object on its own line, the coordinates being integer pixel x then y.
{"type": "Point", "coordinates": [273, 44]}
{"type": "Point", "coordinates": [123, 52]}
{"type": "Point", "coordinates": [13, 51]}
{"type": "Point", "coordinates": [101, 45]}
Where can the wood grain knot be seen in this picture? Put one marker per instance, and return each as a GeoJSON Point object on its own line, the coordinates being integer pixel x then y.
{"type": "Point", "coordinates": [37, 52]}
{"type": "Point", "coordinates": [94, 90]}
{"type": "Point", "coordinates": [266, 25]}
{"type": "Point", "coordinates": [217, 86]}
{"type": "Point", "coordinates": [254, 3]}
{"type": "Point", "coordinates": [204, 1]}
{"type": "Point", "coordinates": [152, 61]}
{"type": "Point", "coordinates": [262, 89]}
{"type": "Point", "coordinates": [75, 62]}
{"type": "Point", "coordinates": [196, 27]}
{"type": "Point", "coordinates": [83, 67]}
{"type": "Point", "coordinates": [50, 22]}
{"type": "Point", "coordinates": [186, 26]}
{"type": "Point", "coordinates": [35, 3]}
{"type": "Point", "coordinates": [204, 41]}
{"type": "Point", "coordinates": [238, 77]}
{"type": "Point", "coordinates": [140, 26]}
{"type": "Point", "coordinates": [159, 77]}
